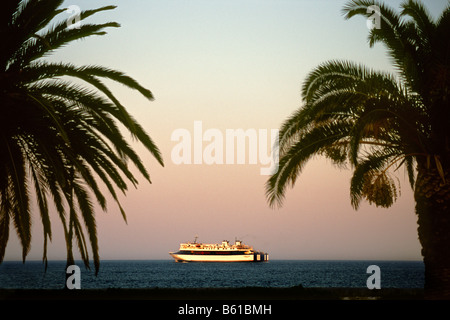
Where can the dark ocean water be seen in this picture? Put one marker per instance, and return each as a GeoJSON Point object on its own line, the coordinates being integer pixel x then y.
{"type": "Point", "coordinates": [168, 274]}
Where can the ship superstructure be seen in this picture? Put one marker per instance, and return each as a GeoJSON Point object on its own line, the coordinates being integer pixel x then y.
{"type": "Point", "coordinates": [224, 252]}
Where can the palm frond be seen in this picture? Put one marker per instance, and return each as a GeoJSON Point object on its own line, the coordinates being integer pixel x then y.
{"type": "Point", "coordinates": [57, 138]}
{"type": "Point", "coordinates": [385, 120]}
{"type": "Point", "coordinates": [291, 164]}
{"type": "Point", "coordinates": [19, 195]}
{"type": "Point", "coordinates": [89, 74]}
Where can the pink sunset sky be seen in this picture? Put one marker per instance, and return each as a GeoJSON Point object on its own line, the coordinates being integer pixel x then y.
{"type": "Point", "coordinates": [232, 64]}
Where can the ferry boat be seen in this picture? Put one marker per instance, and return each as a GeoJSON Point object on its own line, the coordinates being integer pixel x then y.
{"type": "Point", "coordinates": [225, 252]}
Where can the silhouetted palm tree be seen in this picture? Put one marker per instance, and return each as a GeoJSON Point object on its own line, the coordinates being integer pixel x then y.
{"type": "Point", "coordinates": [58, 136]}
{"type": "Point", "coordinates": [379, 122]}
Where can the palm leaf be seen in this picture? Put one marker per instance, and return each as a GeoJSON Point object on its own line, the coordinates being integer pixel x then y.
{"type": "Point", "coordinates": [60, 137]}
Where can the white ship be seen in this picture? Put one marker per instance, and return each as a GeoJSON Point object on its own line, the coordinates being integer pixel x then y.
{"type": "Point", "coordinates": [207, 252]}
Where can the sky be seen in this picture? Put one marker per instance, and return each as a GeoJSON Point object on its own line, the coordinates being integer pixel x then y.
{"type": "Point", "coordinates": [229, 65]}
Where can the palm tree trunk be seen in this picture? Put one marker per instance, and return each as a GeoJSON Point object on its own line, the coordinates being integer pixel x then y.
{"type": "Point", "coordinates": [432, 196]}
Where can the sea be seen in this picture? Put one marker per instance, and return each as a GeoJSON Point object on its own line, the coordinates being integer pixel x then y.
{"type": "Point", "coordinates": [169, 274]}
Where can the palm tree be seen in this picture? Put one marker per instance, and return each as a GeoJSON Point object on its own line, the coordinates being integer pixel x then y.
{"type": "Point", "coordinates": [378, 122]}
{"type": "Point", "coordinates": [59, 137]}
